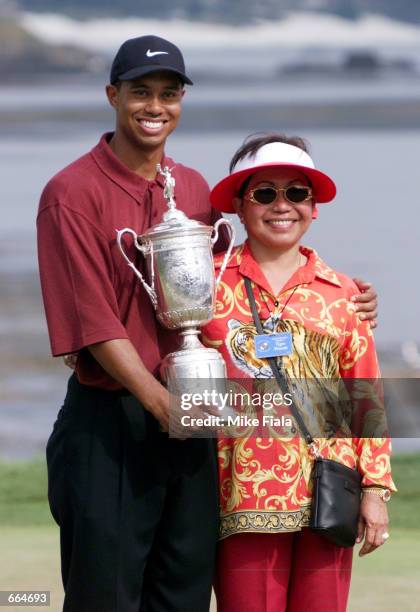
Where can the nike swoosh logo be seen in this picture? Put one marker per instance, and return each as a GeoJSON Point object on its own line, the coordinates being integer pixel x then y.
{"type": "Point", "coordinates": [153, 53]}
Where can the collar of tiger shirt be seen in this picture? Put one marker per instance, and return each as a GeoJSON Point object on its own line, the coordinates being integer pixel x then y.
{"type": "Point", "coordinates": [243, 259]}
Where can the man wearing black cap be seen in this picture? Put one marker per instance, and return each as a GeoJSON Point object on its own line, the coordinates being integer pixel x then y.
{"type": "Point", "coordinates": [138, 511]}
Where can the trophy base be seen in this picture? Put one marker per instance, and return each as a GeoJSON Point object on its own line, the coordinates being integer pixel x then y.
{"type": "Point", "coordinates": [194, 369]}
{"type": "Point", "coordinates": [193, 361]}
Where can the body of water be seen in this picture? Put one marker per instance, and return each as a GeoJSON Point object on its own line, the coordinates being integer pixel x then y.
{"type": "Point", "coordinates": [371, 229]}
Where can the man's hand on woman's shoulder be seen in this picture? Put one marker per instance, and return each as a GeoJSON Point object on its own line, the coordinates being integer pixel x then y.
{"type": "Point", "coordinates": [366, 302]}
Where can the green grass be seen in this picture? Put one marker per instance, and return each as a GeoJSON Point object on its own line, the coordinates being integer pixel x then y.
{"type": "Point", "coordinates": [386, 580]}
{"type": "Point", "coordinates": [404, 508]}
{"type": "Point", "coordinates": [30, 560]}
{"type": "Point", "coordinates": [389, 578]}
{"type": "Point", "coordinates": [23, 493]}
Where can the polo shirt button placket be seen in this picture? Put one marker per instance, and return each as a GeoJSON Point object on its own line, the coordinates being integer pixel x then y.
{"type": "Point", "coordinates": [151, 188]}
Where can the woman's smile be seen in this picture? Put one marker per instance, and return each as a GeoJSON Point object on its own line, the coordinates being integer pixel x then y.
{"type": "Point", "coordinates": [280, 224]}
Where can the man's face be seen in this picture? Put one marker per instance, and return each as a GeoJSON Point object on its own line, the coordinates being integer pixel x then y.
{"type": "Point", "coordinates": [147, 109]}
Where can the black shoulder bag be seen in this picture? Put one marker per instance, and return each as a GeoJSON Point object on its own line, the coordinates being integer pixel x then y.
{"type": "Point", "coordinates": [336, 487]}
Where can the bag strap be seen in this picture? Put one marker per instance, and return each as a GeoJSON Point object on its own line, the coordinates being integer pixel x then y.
{"type": "Point", "coordinates": [274, 367]}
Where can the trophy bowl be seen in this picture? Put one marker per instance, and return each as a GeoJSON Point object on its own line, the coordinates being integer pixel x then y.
{"type": "Point", "coordinates": [182, 285]}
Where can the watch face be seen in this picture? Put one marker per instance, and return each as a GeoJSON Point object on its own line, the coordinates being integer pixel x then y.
{"type": "Point", "coordinates": [386, 495]}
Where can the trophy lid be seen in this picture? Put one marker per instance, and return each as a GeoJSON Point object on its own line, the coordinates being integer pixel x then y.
{"type": "Point", "coordinates": [174, 221]}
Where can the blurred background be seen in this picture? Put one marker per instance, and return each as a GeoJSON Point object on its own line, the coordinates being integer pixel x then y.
{"type": "Point", "coordinates": [344, 74]}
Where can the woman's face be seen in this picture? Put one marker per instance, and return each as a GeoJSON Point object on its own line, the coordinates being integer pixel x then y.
{"type": "Point", "coordinates": [279, 225]}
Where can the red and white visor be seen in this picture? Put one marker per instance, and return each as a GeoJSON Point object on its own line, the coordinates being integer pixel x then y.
{"type": "Point", "coordinates": [272, 155]}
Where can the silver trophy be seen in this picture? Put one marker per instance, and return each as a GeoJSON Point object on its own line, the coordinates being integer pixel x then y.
{"type": "Point", "coordinates": [179, 260]}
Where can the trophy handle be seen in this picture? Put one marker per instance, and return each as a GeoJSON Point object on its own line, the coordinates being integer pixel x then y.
{"type": "Point", "coordinates": [228, 252]}
{"type": "Point", "coordinates": [150, 289]}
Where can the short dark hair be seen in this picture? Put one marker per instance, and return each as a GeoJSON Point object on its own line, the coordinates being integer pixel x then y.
{"type": "Point", "coordinates": [254, 142]}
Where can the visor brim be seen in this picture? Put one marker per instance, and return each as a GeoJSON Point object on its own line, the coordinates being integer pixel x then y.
{"type": "Point", "coordinates": [222, 194]}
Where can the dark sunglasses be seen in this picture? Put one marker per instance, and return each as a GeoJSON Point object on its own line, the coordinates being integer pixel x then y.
{"type": "Point", "coordinates": [295, 194]}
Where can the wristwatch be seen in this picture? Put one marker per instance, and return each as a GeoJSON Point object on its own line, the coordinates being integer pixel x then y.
{"type": "Point", "coordinates": [384, 494]}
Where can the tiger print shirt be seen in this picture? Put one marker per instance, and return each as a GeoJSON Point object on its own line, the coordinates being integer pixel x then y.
{"type": "Point", "coordinates": [265, 483]}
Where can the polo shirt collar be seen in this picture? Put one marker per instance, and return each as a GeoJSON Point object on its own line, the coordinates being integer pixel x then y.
{"type": "Point", "coordinates": [132, 183]}
{"type": "Point", "coordinates": [315, 267]}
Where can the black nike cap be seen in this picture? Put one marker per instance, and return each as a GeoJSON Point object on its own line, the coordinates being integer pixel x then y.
{"type": "Point", "coordinates": [144, 55]}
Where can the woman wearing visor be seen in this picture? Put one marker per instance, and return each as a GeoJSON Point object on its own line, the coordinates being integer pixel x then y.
{"type": "Point", "coordinates": [269, 560]}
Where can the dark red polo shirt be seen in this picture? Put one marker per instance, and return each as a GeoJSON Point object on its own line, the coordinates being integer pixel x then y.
{"type": "Point", "coordinates": [90, 294]}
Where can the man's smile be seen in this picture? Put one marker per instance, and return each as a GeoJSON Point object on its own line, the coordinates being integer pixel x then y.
{"type": "Point", "coordinates": [151, 124]}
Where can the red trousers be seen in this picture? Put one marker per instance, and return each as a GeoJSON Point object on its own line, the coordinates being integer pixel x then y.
{"type": "Point", "coordinates": [293, 572]}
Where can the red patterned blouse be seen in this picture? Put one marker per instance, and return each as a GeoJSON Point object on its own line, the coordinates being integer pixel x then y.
{"type": "Point", "coordinates": [265, 481]}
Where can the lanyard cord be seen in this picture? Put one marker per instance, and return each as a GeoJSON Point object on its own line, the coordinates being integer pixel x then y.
{"type": "Point", "coordinates": [273, 364]}
{"type": "Point", "coordinates": [285, 304]}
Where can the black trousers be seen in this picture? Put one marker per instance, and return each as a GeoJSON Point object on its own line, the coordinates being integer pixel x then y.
{"type": "Point", "coordinates": [138, 511]}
